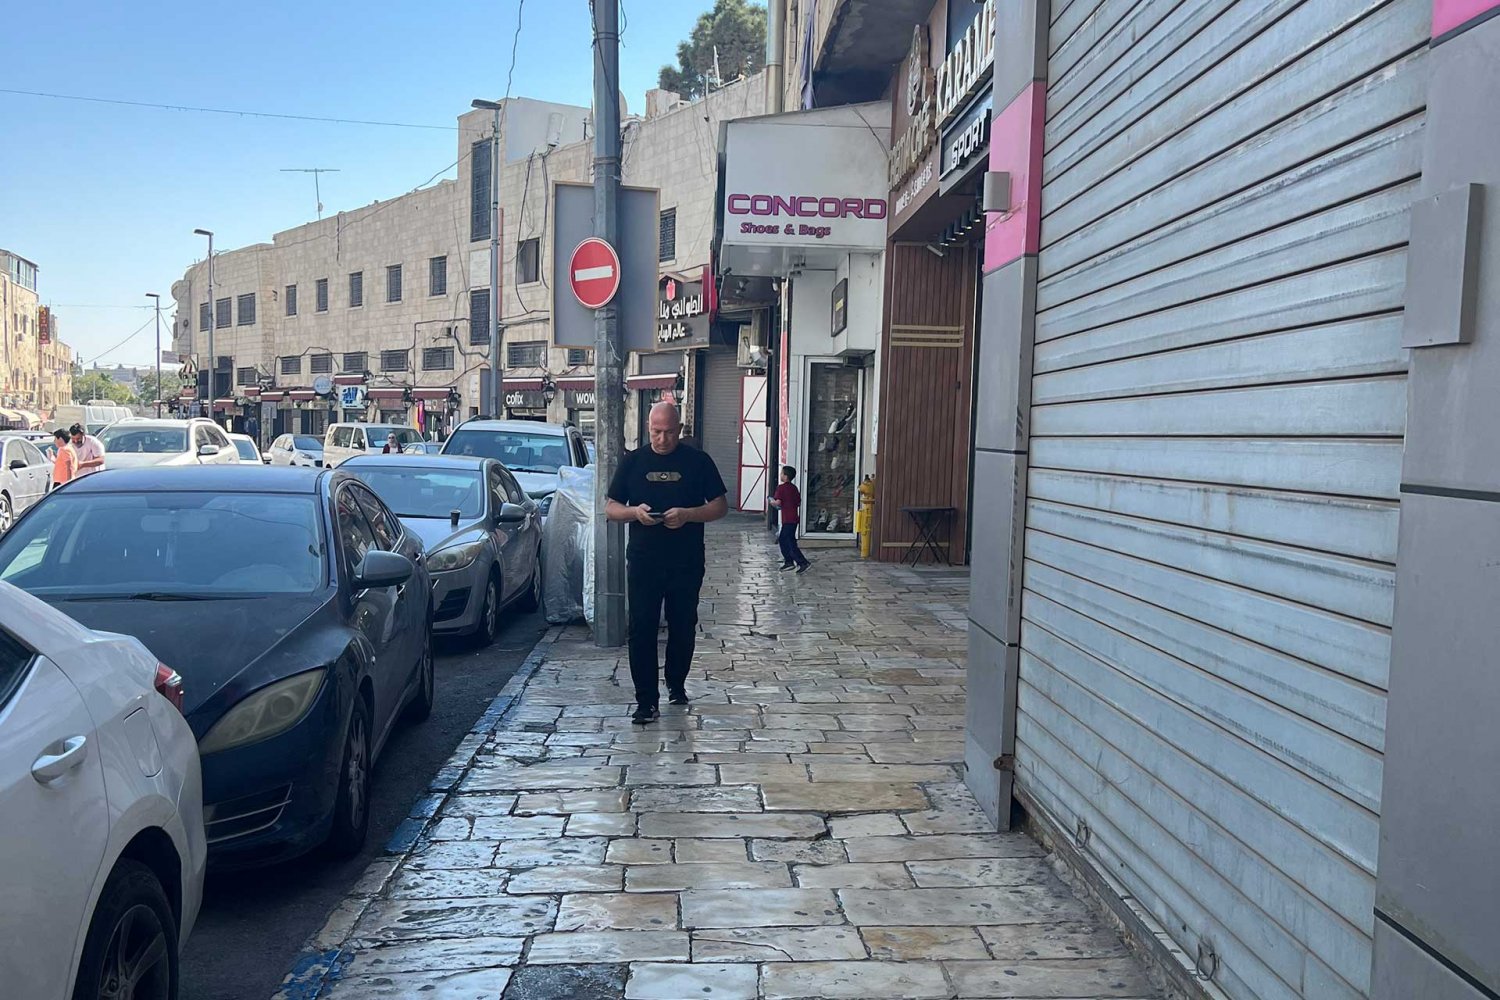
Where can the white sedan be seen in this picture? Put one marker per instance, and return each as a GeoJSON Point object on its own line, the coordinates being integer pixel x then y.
{"type": "Point", "coordinates": [101, 811]}
{"type": "Point", "coordinates": [25, 475]}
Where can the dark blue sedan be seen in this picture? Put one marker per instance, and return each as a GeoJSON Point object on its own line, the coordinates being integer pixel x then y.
{"type": "Point", "coordinates": [293, 603]}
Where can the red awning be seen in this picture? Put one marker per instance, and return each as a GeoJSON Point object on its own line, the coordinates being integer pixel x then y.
{"type": "Point", "coordinates": [388, 392]}
{"type": "Point", "coordinates": [250, 390]}
{"type": "Point", "coordinates": [523, 384]}
{"type": "Point", "coordinates": [432, 392]}
{"type": "Point", "coordinates": [224, 404]}
{"type": "Point", "coordinates": [302, 395]}
{"type": "Point", "coordinates": [272, 396]}
{"type": "Point", "coordinates": [576, 382]}
{"type": "Point", "coordinates": [651, 382]}
{"type": "Point", "coordinates": [349, 379]}
{"type": "Point", "coordinates": [188, 393]}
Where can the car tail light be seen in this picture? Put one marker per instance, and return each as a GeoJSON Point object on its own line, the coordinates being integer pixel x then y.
{"type": "Point", "coordinates": [169, 684]}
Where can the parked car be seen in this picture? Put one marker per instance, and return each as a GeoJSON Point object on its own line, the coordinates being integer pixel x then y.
{"type": "Point", "coordinates": [344, 441]}
{"type": "Point", "coordinates": [423, 448]}
{"type": "Point", "coordinates": [296, 608]}
{"type": "Point", "coordinates": [483, 534]}
{"type": "Point", "coordinates": [94, 416]}
{"type": "Point", "coordinates": [25, 475]}
{"type": "Point", "coordinates": [247, 449]}
{"type": "Point", "coordinates": [102, 805]}
{"type": "Point", "coordinates": [139, 441]}
{"type": "Point", "coordinates": [297, 449]}
{"type": "Point", "coordinates": [532, 450]}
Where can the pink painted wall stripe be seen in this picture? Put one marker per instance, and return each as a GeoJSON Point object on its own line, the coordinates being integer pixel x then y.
{"type": "Point", "coordinates": [1450, 14]}
{"type": "Point", "coordinates": [1016, 148]}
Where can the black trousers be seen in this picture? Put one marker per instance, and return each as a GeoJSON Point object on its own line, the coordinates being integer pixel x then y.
{"type": "Point", "coordinates": [650, 587]}
{"type": "Point", "coordinates": [791, 552]}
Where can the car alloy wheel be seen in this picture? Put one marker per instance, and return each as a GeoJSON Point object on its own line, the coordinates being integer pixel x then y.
{"type": "Point", "coordinates": [7, 513]}
{"type": "Point", "coordinates": [421, 705]}
{"type": "Point", "coordinates": [351, 815]}
{"type": "Point", "coordinates": [489, 615]}
{"type": "Point", "coordinates": [135, 960]}
{"type": "Point", "coordinates": [131, 949]}
{"type": "Point", "coordinates": [533, 599]}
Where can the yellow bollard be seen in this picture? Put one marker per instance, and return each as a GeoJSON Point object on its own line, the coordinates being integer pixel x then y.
{"type": "Point", "coordinates": [864, 518]}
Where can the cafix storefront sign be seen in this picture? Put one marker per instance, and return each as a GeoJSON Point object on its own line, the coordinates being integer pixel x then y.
{"type": "Point", "coordinates": [526, 399]}
{"type": "Point", "coordinates": [967, 65]}
{"type": "Point", "coordinates": [681, 313]}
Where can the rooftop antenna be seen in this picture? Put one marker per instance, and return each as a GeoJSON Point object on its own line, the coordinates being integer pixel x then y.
{"type": "Point", "coordinates": [317, 188]}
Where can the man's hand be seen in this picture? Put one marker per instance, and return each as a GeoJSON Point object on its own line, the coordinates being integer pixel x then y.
{"type": "Point", "coordinates": [643, 514]}
{"type": "Point", "coordinates": [678, 516]}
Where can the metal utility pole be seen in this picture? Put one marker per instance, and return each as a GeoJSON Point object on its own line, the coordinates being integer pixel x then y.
{"type": "Point", "coordinates": [609, 360]}
{"type": "Point", "coordinates": [156, 302]}
{"type": "Point", "coordinates": [494, 376]}
{"type": "Point", "coordinates": [213, 362]}
{"type": "Point", "coordinates": [315, 171]}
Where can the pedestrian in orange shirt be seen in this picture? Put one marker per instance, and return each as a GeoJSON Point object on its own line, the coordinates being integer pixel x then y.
{"type": "Point", "coordinates": [64, 458]}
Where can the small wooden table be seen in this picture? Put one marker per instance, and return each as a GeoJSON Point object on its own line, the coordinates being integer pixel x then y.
{"type": "Point", "coordinates": [929, 520]}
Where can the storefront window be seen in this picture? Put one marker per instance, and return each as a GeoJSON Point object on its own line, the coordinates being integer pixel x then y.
{"type": "Point", "coordinates": [584, 421]}
{"type": "Point", "coordinates": [833, 449]}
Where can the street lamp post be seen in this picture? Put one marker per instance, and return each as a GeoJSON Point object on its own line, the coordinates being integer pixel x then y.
{"type": "Point", "coordinates": [156, 303]}
{"type": "Point", "coordinates": [212, 361]}
{"type": "Point", "coordinates": [494, 106]}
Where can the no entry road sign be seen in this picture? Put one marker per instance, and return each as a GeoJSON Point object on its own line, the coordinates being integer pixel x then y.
{"type": "Point", "coordinates": [594, 272]}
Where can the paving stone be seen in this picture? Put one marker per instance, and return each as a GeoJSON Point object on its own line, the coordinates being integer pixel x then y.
{"type": "Point", "coordinates": [853, 980]}
{"type": "Point", "coordinates": [915, 753]}
{"type": "Point", "coordinates": [639, 851]}
{"type": "Point", "coordinates": [760, 908]}
{"type": "Point", "coordinates": [573, 982]}
{"type": "Point", "coordinates": [777, 944]}
{"type": "Point", "coordinates": [883, 773]}
{"type": "Point", "coordinates": [659, 981]}
{"type": "Point", "coordinates": [745, 774]}
{"type": "Point", "coordinates": [1020, 942]}
{"type": "Point", "coordinates": [1096, 978]}
{"type": "Point", "coordinates": [812, 852]}
{"type": "Point", "coordinates": [567, 878]}
{"type": "Point", "coordinates": [942, 847]}
{"type": "Point", "coordinates": [633, 911]}
{"type": "Point", "coordinates": [453, 854]}
{"type": "Point", "coordinates": [717, 798]}
{"type": "Point", "coordinates": [731, 825]}
{"type": "Point", "coordinates": [911, 944]}
{"type": "Point", "coordinates": [962, 872]}
{"type": "Point", "coordinates": [555, 851]}
{"type": "Point", "coordinates": [567, 803]}
{"type": "Point", "coordinates": [873, 825]}
{"type": "Point", "coordinates": [973, 907]}
{"type": "Point", "coordinates": [425, 956]}
{"type": "Point", "coordinates": [852, 876]}
{"type": "Point", "coordinates": [582, 947]}
{"type": "Point", "coordinates": [463, 984]}
{"type": "Point", "coordinates": [688, 850]}
{"type": "Point", "coordinates": [711, 875]}
{"type": "Point", "coordinates": [542, 776]}
{"type": "Point", "coordinates": [601, 825]}
{"type": "Point", "coordinates": [452, 828]}
{"type": "Point", "coordinates": [840, 796]}
{"type": "Point", "coordinates": [517, 827]}
{"type": "Point", "coordinates": [639, 775]}
{"type": "Point", "coordinates": [456, 883]}
{"type": "Point", "coordinates": [415, 920]}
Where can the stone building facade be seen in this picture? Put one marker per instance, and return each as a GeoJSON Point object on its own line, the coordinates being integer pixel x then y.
{"type": "Point", "coordinates": [36, 370]}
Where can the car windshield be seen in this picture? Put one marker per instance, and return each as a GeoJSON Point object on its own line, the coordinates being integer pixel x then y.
{"type": "Point", "coordinates": [378, 436]}
{"type": "Point", "coordinates": [124, 439]}
{"type": "Point", "coordinates": [422, 492]}
{"type": "Point", "coordinates": [518, 451]}
{"type": "Point", "coordinates": [166, 545]}
{"type": "Point", "coordinates": [246, 450]}
{"type": "Point", "coordinates": [307, 443]}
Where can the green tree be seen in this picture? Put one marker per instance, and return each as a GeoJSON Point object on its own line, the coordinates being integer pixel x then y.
{"type": "Point", "coordinates": [97, 385]}
{"type": "Point", "coordinates": [146, 390]}
{"type": "Point", "coordinates": [738, 30]}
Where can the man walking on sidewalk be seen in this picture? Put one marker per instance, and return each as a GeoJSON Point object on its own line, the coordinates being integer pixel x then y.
{"type": "Point", "coordinates": [668, 492]}
{"type": "Point", "coordinates": [788, 500]}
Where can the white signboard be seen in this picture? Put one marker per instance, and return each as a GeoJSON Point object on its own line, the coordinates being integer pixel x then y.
{"type": "Point", "coordinates": [808, 179]}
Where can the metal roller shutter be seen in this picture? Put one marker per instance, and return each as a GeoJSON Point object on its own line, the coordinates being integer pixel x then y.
{"type": "Point", "coordinates": [719, 410]}
{"type": "Point", "coordinates": [1219, 401]}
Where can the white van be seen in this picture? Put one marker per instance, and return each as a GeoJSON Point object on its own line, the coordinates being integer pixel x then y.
{"type": "Point", "coordinates": [95, 415]}
{"type": "Point", "coordinates": [344, 441]}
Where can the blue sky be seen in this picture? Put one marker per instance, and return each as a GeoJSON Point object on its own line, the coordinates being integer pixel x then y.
{"type": "Point", "coordinates": [105, 198]}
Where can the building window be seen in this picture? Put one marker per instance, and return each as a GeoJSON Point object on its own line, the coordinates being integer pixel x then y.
{"type": "Point", "coordinates": [246, 309]}
{"type": "Point", "coordinates": [246, 376]}
{"type": "Point", "coordinates": [528, 261]}
{"type": "Point", "coordinates": [393, 283]}
{"type": "Point", "coordinates": [437, 359]}
{"type": "Point", "coordinates": [479, 316]}
{"type": "Point", "coordinates": [437, 276]}
{"type": "Point", "coordinates": [356, 361]}
{"type": "Point", "coordinates": [579, 356]}
{"type": "Point", "coordinates": [322, 364]}
{"type": "Point", "coordinates": [292, 365]}
{"type": "Point", "coordinates": [393, 361]}
{"type": "Point", "coordinates": [223, 314]}
{"type": "Point", "coordinates": [356, 289]}
{"type": "Point", "coordinates": [205, 315]}
{"type": "Point", "coordinates": [291, 300]}
{"type": "Point", "coordinates": [531, 354]}
{"type": "Point", "coordinates": [668, 247]}
{"type": "Point", "coordinates": [322, 295]}
{"type": "Point", "coordinates": [479, 192]}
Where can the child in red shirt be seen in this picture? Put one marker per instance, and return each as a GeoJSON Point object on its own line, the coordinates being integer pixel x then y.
{"type": "Point", "coordinates": [788, 500]}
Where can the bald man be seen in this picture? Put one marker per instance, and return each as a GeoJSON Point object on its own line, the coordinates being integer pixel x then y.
{"type": "Point", "coordinates": [667, 492]}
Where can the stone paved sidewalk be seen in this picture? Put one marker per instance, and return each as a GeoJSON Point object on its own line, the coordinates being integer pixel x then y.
{"type": "Point", "coordinates": [800, 831]}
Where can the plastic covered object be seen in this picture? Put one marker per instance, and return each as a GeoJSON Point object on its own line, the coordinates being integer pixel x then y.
{"type": "Point", "coordinates": [568, 549]}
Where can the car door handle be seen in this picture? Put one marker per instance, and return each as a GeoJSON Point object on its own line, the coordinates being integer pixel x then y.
{"type": "Point", "coordinates": [60, 758]}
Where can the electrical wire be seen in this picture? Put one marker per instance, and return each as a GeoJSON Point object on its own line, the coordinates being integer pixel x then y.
{"type": "Point", "coordinates": [225, 111]}
{"type": "Point", "coordinates": [142, 329]}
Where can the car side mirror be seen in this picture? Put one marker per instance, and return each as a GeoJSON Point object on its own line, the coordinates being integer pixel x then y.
{"type": "Point", "coordinates": [382, 569]}
{"type": "Point", "coordinates": [208, 450]}
{"type": "Point", "coordinates": [18, 463]}
{"type": "Point", "coordinates": [511, 513]}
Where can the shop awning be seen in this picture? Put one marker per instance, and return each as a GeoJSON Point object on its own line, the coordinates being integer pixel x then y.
{"type": "Point", "coordinates": [522, 384]}
{"type": "Point", "coordinates": [576, 382]}
{"type": "Point", "coordinates": [224, 404]}
{"type": "Point", "coordinates": [638, 382]}
{"type": "Point", "coordinates": [250, 391]}
{"type": "Point", "coordinates": [272, 396]}
{"type": "Point", "coordinates": [302, 395]}
{"type": "Point", "coordinates": [29, 418]}
{"type": "Point", "coordinates": [353, 378]}
{"type": "Point", "coordinates": [10, 416]}
{"type": "Point", "coordinates": [432, 392]}
{"type": "Point", "coordinates": [386, 393]}
{"type": "Point", "coordinates": [188, 393]}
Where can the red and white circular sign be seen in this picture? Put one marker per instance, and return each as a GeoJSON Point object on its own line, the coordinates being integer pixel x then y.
{"type": "Point", "coordinates": [594, 272]}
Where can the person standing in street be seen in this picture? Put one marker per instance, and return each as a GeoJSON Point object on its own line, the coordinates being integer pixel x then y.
{"type": "Point", "coordinates": [89, 451]}
{"type": "Point", "coordinates": [64, 458]}
{"type": "Point", "coordinates": [667, 491]}
{"type": "Point", "coordinates": [788, 500]}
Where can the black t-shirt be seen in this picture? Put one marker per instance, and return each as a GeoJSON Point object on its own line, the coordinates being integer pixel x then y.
{"type": "Point", "coordinates": [685, 478]}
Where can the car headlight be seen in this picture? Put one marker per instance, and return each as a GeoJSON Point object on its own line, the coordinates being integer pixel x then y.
{"type": "Point", "coordinates": [546, 504]}
{"type": "Point", "coordinates": [454, 557]}
{"type": "Point", "coordinates": [268, 712]}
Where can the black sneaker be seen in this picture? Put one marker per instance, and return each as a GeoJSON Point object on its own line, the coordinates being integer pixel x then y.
{"type": "Point", "coordinates": [804, 568]}
{"type": "Point", "coordinates": [645, 716]}
{"type": "Point", "coordinates": [787, 566]}
{"type": "Point", "coordinates": [678, 696]}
